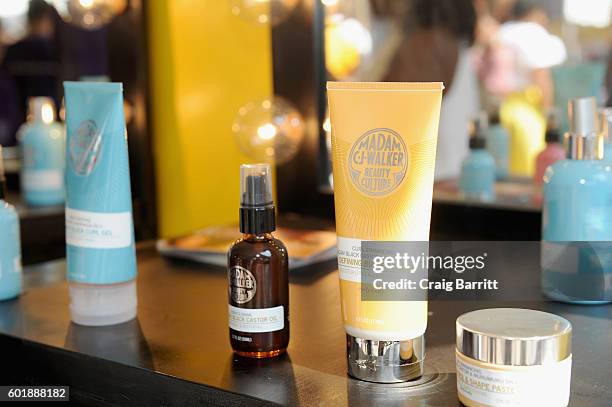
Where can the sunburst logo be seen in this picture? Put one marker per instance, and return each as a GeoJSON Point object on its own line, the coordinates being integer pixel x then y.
{"type": "Point", "coordinates": [85, 147]}
{"type": "Point", "coordinates": [378, 162]}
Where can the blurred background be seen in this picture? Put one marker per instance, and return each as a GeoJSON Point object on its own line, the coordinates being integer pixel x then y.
{"type": "Point", "coordinates": [212, 84]}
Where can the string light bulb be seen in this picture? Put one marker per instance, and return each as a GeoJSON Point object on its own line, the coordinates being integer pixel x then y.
{"type": "Point", "coordinates": [269, 130]}
{"type": "Point", "coordinates": [89, 14]}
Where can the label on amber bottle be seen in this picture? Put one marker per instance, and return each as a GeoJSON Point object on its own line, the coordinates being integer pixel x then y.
{"type": "Point", "coordinates": [257, 319]}
{"type": "Point", "coordinates": [242, 285]}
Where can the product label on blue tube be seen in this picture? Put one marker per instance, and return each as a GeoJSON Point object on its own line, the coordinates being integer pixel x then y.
{"type": "Point", "coordinates": [96, 230]}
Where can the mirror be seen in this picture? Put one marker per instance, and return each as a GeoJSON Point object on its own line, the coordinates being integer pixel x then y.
{"type": "Point", "coordinates": [40, 48]}
{"type": "Point", "coordinates": [521, 60]}
{"type": "Point", "coordinates": [46, 42]}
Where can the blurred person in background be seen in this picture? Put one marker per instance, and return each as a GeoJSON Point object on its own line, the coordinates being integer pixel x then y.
{"type": "Point", "coordinates": [34, 62]}
{"type": "Point", "coordinates": [9, 110]}
{"type": "Point", "coordinates": [436, 47]}
{"type": "Point", "coordinates": [515, 72]}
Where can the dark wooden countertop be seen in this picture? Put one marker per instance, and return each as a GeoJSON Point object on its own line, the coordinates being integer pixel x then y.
{"type": "Point", "coordinates": [177, 352]}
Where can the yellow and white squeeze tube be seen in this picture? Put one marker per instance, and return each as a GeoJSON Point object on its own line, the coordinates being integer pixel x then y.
{"type": "Point", "coordinates": [384, 139]}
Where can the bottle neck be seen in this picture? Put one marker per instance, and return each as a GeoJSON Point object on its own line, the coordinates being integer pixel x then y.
{"type": "Point", "coordinates": [588, 147]}
{"type": "Point", "coordinates": [251, 237]}
{"type": "Point", "coordinates": [257, 221]}
{"type": "Point", "coordinates": [41, 111]}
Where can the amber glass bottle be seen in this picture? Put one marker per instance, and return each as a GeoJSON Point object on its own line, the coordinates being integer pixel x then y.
{"type": "Point", "coordinates": [258, 273]}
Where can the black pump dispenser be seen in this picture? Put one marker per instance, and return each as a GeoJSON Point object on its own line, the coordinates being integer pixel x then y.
{"type": "Point", "coordinates": [552, 134]}
{"type": "Point", "coordinates": [477, 137]}
{"type": "Point", "coordinates": [257, 214]}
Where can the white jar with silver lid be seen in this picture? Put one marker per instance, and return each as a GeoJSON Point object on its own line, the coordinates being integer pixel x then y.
{"type": "Point", "coordinates": [513, 357]}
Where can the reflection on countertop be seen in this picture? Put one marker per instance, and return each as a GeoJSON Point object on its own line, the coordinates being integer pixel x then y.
{"type": "Point", "coordinates": [515, 194]}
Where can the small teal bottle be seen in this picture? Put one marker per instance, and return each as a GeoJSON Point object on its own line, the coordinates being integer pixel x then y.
{"type": "Point", "coordinates": [43, 147]}
{"type": "Point", "coordinates": [577, 215]}
{"type": "Point", "coordinates": [10, 250]}
{"type": "Point", "coordinates": [498, 145]}
{"type": "Point", "coordinates": [477, 179]}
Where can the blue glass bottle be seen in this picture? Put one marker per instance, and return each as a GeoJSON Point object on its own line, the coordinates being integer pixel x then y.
{"type": "Point", "coordinates": [43, 148]}
{"type": "Point", "coordinates": [10, 251]}
{"type": "Point", "coordinates": [477, 179]}
{"type": "Point", "coordinates": [498, 145]}
{"type": "Point", "coordinates": [577, 215]}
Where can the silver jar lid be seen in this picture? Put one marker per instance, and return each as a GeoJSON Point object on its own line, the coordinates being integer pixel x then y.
{"type": "Point", "coordinates": [385, 361]}
{"type": "Point", "coordinates": [514, 336]}
{"type": "Point", "coordinates": [583, 117]}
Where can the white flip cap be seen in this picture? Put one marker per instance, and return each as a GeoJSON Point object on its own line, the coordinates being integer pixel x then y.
{"type": "Point", "coordinates": [102, 304]}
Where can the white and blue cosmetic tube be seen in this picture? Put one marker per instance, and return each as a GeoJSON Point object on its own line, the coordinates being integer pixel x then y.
{"type": "Point", "coordinates": [100, 252]}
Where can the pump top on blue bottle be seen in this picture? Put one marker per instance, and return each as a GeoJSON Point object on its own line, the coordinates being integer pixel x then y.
{"type": "Point", "coordinates": [584, 140]}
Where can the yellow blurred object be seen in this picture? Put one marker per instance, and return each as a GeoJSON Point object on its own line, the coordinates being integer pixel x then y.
{"type": "Point", "coordinates": [521, 113]}
{"type": "Point", "coordinates": [346, 43]}
{"type": "Point", "coordinates": [205, 64]}
{"type": "Point", "coordinates": [341, 56]}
